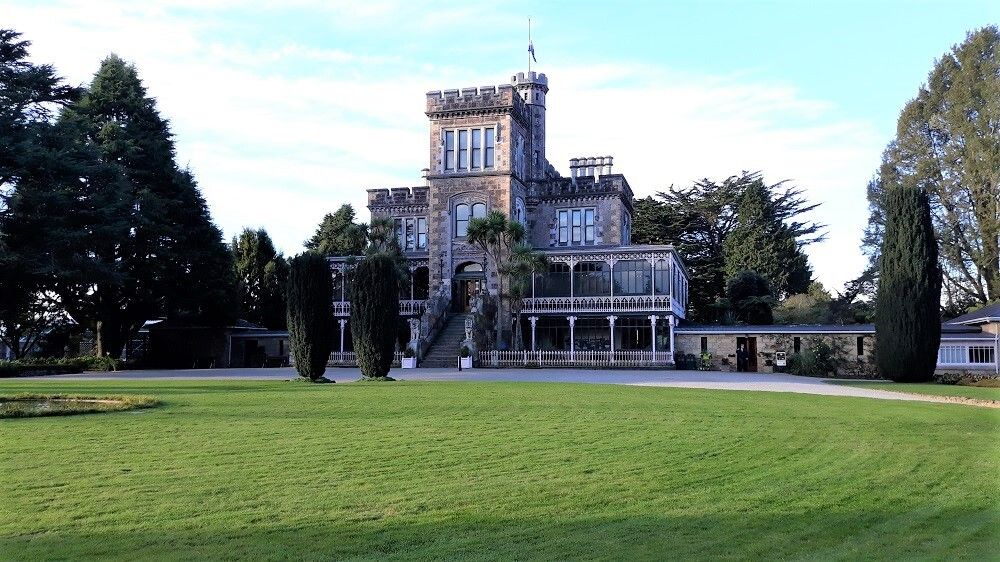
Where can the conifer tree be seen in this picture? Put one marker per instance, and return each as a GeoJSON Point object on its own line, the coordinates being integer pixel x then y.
{"type": "Point", "coordinates": [375, 313]}
{"type": "Point", "coordinates": [310, 314]}
{"type": "Point", "coordinates": [907, 309]}
{"type": "Point", "coordinates": [142, 242]}
{"type": "Point", "coordinates": [261, 273]}
{"type": "Point", "coordinates": [338, 234]}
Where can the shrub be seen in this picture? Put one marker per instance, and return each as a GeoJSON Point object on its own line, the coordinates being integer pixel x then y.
{"type": "Point", "coordinates": [57, 365]}
{"type": "Point", "coordinates": [408, 352]}
{"type": "Point", "coordinates": [310, 314]}
{"type": "Point", "coordinates": [817, 360]}
{"type": "Point", "coordinates": [464, 352]}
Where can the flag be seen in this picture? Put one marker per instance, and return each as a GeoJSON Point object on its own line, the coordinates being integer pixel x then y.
{"type": "Point", "coordinates": [531, 49]}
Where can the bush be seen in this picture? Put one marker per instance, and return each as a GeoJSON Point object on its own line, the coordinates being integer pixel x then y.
{"type": "Point", "coordinates": [464, 352]}
{"type": "Point", "coordinates": [408, 352]}
{"type": "Point", "coordinates": [57, 365]}
{"type": "Point", "coordinates": [815, 361]}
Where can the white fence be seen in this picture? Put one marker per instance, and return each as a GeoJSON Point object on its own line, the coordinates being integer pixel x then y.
{"type": "Point", "coordinates": [350, 359]}
{"type": "Point", "coordinates": [562, 358]}
{"type": "Point", "coordinates": [971, 355]}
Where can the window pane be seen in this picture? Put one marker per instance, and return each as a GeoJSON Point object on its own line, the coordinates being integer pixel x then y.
{"type": "Point", "coordinates": [463, 150]}
{"type": "Point", "coordinates": [461, 219]}
{"type": "Point", "coordinates": [399, 232]}
{"type": "Point", "coordinates": [462, 212]}
{"type": "Point", "coordinates": [449, 150]}
{"type": "Point", "coordinates": [479, 210]}
{"type": "Point", "coordinates": [421, 233]}
{"type": "Point", "coordinates": [563, 227]}
{"type": "Point", "coordinates": [461, 227]}
{"type": "Point", "coordinates": [477, 151]}
{"type": "Point", "coordinates": [489, 148]}
{"type": "Point", "coordinates": [577, 226]}
{"type": "Point", "coordinates": [589, 230]}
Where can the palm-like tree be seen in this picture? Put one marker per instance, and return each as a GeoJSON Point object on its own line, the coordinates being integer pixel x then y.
{"type": "Point", "coordinates": [502, 242]}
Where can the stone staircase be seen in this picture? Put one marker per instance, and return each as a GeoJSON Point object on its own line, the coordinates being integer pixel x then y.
{"type": "Point", "coordinates": [444, 351]}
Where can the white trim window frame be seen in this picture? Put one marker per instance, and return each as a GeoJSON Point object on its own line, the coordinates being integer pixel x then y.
{"type": "Point", "coordinates": [411, 233]}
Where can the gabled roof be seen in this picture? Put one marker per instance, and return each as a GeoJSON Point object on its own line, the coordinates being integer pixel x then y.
{"type": "Point", "coordinates": [990, 313]}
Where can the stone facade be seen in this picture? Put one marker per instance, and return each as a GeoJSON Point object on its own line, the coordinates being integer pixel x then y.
{"type": "Point", "coordinates": [768, 340]}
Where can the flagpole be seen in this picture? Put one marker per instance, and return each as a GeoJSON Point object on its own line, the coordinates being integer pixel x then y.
{"type": "Point", "coordinates": [529, 44]}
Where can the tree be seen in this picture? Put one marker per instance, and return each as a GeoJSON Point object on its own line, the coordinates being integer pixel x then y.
{"type": "Point", "coordinates": [948, 145]}
{"type": "Point", "coordinates": [502, 242]}
{"type": "Point", "coordinates": [339, 235]}
{"type": "Point", "coordinates": [698, 219]}
{"type": "Point", "coordinates": [812, 307]}
{"type": "Point", "coordinates": [34, 162]}
{"type": "Point", "coordinates": [375, 313]}
{"type": "Point", "coordinates": [310, 314]}
{"type": "Point", "coordinates": [907, 308]}
{"type": "Point", "coordinates": [761, 242]}
{"type": "Point", "coordinates": [141, 241]}
{"type": "Point", "coordinates": [261, 275]}
{"type": "Point", "coordinates": [750, 298]}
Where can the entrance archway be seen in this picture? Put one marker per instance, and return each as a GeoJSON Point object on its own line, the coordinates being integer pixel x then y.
{"type": "Point", "coordinates": [469, 281]}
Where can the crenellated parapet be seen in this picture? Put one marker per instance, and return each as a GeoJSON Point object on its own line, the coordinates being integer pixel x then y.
{"type": "Point", "coordinates": [474, 100]}
{"type": "Point", "coordinates": [561, 188]}
{"type": "Point", "coordinates": [398, 200]}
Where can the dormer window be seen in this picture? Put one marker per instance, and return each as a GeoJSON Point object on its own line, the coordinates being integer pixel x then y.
{"type": "Point", "coordinates": [473, 149]}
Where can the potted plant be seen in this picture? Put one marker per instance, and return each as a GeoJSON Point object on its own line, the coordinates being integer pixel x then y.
{"type": "Point", "coordinates": [465, 358]}
{"type": "Point", "coordinates": [409, 358]}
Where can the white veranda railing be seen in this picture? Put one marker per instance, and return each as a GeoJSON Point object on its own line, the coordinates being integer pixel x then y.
{"type": "Point", "coordinates": [627, 303]}
{"type": "Point", "coordinates": [563, 358]}
{"type": "Point", "coordinates": [350, 359]}
{"type": "Point", "coordinates": [406, 307]}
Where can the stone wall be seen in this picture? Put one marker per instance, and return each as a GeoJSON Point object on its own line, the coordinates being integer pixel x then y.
{"type": "Point", "coordinates": [723, 349]}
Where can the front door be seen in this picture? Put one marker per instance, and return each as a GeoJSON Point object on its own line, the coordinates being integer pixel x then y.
{"type": "Point", "coordinates": [464, 290]}
{"type": "Point", "coordinates": [752, 355]}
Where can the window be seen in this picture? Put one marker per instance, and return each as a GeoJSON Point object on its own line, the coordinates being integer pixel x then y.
{"type": "Point", "coordinates": [981, 354]}
{"type": "Point", "coordinates": [449, 150]}
{"type": "Point", "coordinates": [488, 160]}
{"type": "Point", "coordinates": [861, 346]}
{"type": "Point", "coordinates": [475, 150]}
{"type": "Point", "coordinates": [411, 233]}
{"type": "Point", "coordinates": [463, 150]}
{"type": "Point", "coordinates": [421, 233]}
{"type": "Point", "coordinates": [704, 344]}
{"type": "Point", "coordinates": [633, 277]}
{"type": "Point", "coordinates": [592, 279]}
{"type": "Point", "coordinates": [464, 213]}
{"type": "Point", "coordinates": [577, 227]}
{"type": "Point", "coordinates": [797, 345]}
{"type": "Point", "coordinates": [461, 220]}
{"type": "Point", "coordinates": [661, 277]}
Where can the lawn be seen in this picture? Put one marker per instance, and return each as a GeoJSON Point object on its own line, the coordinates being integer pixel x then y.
{"type": "Point", "coordinates": [935, 389]}
{"type": "Point", "coordinates": [278, 470]}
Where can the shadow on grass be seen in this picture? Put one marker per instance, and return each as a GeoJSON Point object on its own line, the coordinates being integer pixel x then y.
{"type": "Point", "coordinates": [968, 534]}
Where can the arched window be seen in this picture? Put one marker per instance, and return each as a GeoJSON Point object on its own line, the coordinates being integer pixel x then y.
{"type": "Point", "coordinates": [464, 213]}
{"type": "Point", "coordinates": [469, 267]}
{"type": "Point", "coordinates": [461, 219]}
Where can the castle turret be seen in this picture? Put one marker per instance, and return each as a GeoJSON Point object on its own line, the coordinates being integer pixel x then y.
{"type": "Point", "coordinates": [533, 87]}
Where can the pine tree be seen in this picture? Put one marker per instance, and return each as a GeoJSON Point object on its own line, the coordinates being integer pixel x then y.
{"type": "Point", "coordinates": [143, 243]}
{"type": "Point", "coordinates": [375, 313]}
{"type": "Point", "coordinates": [338, 234]}
{"type": "Point", "coordinates": [761, 242]}
{"type": "Point", "coordinates": [310, 314]}
{"type": "Point", "coordinates": [261, 274]}
{"type": "Point", "coordinates": [750, 298]}
{"type": "Point", "coordinates": [907, 309]}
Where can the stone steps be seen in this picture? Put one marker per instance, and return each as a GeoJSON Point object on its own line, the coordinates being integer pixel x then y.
{"type": "Point", "coordinates": [444, 351]}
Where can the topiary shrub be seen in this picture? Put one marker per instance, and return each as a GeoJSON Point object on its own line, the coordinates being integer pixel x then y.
{"type": "Point", "coordinates": [310, 314]}
{"type": "Point", "coordinates": [375, 313]}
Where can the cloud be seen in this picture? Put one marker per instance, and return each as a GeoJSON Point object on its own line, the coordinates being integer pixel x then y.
{"type": "Point", "coordinates": [282, 129]}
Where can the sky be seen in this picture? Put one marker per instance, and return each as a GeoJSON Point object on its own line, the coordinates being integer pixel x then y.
{"type": "Point", "coordinates": [286, 109]}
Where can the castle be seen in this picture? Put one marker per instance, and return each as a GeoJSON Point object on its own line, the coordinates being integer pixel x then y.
{"type": "Point", "coordinates": [486, 152]}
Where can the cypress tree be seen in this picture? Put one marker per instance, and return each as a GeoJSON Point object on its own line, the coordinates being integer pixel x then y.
{"type": "Point", "coordinates": [907, 308]}
{"type": "Point", "coordinates": [375, 313]}
{"type": "Point", "coordinates": [310, 314]}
